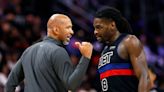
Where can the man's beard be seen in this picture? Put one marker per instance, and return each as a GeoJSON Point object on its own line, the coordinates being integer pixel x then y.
{"type": "Point", "coordinates": [100, 40]}
{"type": "Point", "coordinates": [65, 42]}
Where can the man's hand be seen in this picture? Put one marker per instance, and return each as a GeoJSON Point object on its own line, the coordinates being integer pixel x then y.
{"type": "Point", "coordinates": [85, 48]}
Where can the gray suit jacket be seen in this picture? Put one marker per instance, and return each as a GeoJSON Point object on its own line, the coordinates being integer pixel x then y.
{"type": "Point", "coordinates": [46, 67]}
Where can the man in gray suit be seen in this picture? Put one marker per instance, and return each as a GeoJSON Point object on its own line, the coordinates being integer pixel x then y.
{"type": "Point", "coordinates": [46, 66]}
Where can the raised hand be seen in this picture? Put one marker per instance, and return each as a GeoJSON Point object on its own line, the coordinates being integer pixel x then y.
{"type": "Point", "coordinates": [85, 48]}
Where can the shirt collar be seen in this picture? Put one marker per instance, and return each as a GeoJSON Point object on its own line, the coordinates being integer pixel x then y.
{"type": "Point", "coordinates": [50, 39]}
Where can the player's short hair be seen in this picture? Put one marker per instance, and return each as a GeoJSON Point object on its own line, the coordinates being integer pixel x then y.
{"type": "Point", "coordinates": [111, 13]}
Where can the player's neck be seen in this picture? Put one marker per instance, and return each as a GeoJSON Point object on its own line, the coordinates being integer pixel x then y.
{"type": "Point", "coordinates": [114, 37]}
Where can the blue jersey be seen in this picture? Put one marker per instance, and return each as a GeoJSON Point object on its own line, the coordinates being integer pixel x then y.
{"type": "Point", "coordinates": [116, 74]}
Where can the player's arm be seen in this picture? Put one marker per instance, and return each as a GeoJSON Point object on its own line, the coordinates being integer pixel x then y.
{"type": "Point", "coordinates": [138, 60]}
{"type": "Point", "coordinates": [15, 77]}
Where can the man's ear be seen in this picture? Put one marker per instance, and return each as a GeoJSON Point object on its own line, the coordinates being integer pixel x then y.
{"type": "Point", "coordinates": [55, 31]}
{"type": "Point", "coordinates": [113, 24]}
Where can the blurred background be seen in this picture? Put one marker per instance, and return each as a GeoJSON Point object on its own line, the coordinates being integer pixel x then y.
{"type": "Point", "coordinates": [23, 22]}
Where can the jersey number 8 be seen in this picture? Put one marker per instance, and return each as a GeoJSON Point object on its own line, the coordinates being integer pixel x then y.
{"type": "Point", "coordinates": [104, 84]}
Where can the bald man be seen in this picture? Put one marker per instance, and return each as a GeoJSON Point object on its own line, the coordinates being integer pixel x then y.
{"type": "Point", "coordinates": [46, 66]}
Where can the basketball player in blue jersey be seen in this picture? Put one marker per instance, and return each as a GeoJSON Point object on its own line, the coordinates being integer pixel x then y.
{"type": "Point", "coordinates": [122, 65]}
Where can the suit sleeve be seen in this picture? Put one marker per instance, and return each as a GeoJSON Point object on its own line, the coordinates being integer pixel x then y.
{"type": "Point", "coordinates": [70, 76]}
{"type": "Point", "coordinates": [15, 77]}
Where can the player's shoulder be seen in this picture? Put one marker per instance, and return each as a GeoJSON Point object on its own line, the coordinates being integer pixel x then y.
{"type": "Point", "coordinates": [131, 39]}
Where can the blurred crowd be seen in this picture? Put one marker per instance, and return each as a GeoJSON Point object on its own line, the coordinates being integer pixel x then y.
{"type": "Point", "coordinates": [23, 22]}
